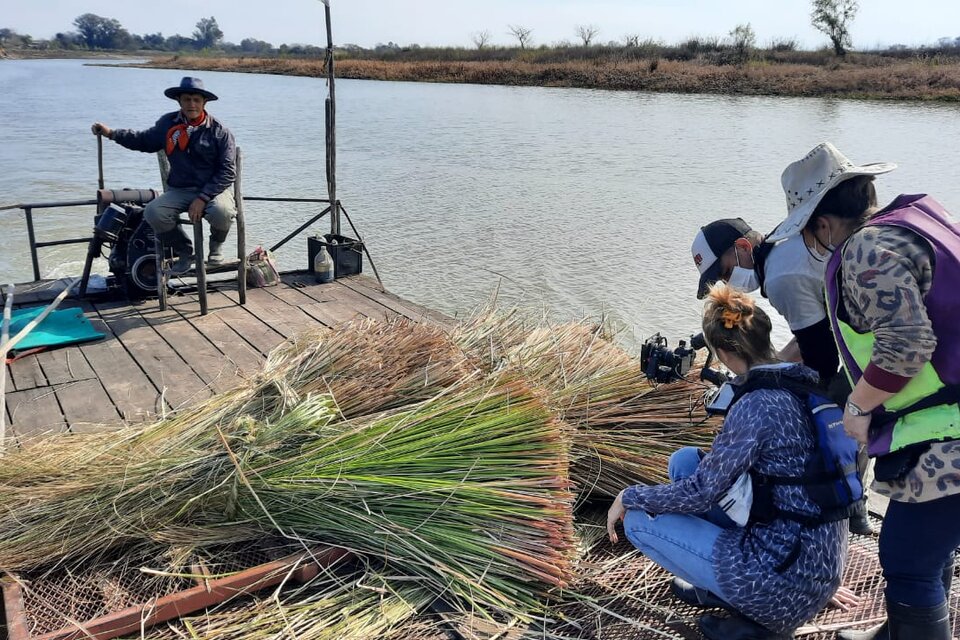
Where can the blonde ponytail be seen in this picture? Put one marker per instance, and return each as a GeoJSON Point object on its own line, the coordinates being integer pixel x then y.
{"type": "Point", "coordinates": [733, 322]}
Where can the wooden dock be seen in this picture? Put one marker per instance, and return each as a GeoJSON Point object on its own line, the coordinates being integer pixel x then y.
{"type": "Point", "coordinates": [153, 361]}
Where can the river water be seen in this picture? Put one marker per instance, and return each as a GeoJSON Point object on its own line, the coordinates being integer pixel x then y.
{"type": "Point", "coordinates": [575, 201]}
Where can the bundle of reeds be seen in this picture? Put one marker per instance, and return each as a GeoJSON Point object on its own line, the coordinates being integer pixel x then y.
{"type": "Point", "coordinates": [625, 428]}
{"type": "Point", "coordinates": [76, 497]}
{"type": "Point", "coordinates": [368, 366]}
{"type": "Point", "coordinates": [468, 492]}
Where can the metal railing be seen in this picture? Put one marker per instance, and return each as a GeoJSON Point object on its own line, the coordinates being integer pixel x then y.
{"type": "Point", "coordinates": [29, 208]}
{"type": "Point", "coordinates": [32, 235]}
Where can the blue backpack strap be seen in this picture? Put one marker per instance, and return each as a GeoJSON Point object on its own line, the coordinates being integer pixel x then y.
{"type": "Point", "coordinates": [832, 480]}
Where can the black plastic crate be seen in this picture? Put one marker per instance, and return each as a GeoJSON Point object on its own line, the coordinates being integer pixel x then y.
{"type": "Point", "coordinates": [347, 253]}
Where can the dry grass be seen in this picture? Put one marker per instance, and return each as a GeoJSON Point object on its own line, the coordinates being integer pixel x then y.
{"type": "Point", "coordinates": [879, 78]}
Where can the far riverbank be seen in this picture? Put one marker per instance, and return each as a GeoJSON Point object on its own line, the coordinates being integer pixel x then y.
{"type": "Point", "coordinates": [929, 80]}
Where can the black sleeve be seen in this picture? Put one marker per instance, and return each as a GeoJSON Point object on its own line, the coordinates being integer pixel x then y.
{"type": "Point", "coordinates": [818, 349]}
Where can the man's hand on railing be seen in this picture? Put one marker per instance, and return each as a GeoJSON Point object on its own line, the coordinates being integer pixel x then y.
{"type": "Point", "coordinates": [99, 128]}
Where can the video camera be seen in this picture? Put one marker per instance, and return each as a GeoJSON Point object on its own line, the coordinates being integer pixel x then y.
{"type": "Point", "coordinates": [662, 364]}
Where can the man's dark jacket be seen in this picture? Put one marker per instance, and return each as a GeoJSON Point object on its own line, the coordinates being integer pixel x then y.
{"type": "Point", "coordinates": [208, 164]}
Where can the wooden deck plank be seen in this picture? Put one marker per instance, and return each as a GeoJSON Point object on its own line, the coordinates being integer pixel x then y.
{"type": "Point", "coordinates": [243, 356]}
{"type": "Point", "coordinates": [370, 289]}
{"type": "Point", "coordinates": [321, 307]}
{"type": "Point", "coordinates": [34, 412]}
{"type": "Point", "coordinates": [219, 373]}
{"type": "Point", "coordinates": [87, 407]}
{"type": "Point", "coordinates": [64, 365]}
{"type": "Point", "coordinates": [369, 308]}
{"type": "Point", "coordinates": [130, 390]}
{"type": "Point", "coordinates": [319, 300]}
{"type": "Point", "coordinates": [245, 322]}
{"type": "Point", "coordinates": [283, 317]}
{"type": "Point", "coordinates": [343, 298]}
{"type": "Point", "coordinates": [164, 365]}
{"type": "Point", "coordinates": [25, 372]}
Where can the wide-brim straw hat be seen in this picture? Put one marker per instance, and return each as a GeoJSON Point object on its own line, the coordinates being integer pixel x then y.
{"type": "Point", "coordinates": [189, 85]}
{"type": "Point", "coordinates": [807, 180]}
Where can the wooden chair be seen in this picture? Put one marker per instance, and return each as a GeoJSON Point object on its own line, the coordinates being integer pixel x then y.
{"type": "Point", "coordinates": [201, 269]}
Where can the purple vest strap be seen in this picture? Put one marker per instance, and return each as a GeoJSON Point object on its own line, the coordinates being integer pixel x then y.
{"type": "Point", "coordinates": [927, 218]}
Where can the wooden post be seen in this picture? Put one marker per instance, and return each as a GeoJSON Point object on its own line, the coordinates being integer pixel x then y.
{"type": "Point", "coordinates": [331, 128]}
{"type": "Point", "coordinates": [100, 160]}
{"type": "Point", "coordinates": [4, 338]}
{"type": "Point", "coordinates": [241, 231]}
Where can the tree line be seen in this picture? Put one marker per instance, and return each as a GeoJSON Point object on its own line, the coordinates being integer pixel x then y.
{"type": "Point", "coordinates": [833, 18]}
{"type": "Point", "coordinates": [95, 32]}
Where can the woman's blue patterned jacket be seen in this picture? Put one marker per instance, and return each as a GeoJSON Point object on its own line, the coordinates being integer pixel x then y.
{"type": "Point", "coordinates": [766, 430]}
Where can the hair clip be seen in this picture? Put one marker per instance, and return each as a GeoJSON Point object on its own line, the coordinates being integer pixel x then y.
{"type": "Point", "coordinates": [730, 318]}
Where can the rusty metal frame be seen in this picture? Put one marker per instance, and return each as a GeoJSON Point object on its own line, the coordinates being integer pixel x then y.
{"type": "Point", "coordinates": [300, 567]}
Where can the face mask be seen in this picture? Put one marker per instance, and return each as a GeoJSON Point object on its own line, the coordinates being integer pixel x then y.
{"type": "Point", "coordinates": [745, 280]}
{"type": "Point", "coordinates": [828, 245]}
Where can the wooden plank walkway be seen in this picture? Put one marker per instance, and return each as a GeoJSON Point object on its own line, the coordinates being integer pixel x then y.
{"type": "Point", "coordinates": [153, 361]}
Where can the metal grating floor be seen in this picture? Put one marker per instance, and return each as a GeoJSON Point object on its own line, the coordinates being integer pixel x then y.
{"type": "Point", "coordinates": [639, 591]}
{"type": "Point", "coordinates": [630, 596]}
{"type": "Point", "coordinates": [52, 600]}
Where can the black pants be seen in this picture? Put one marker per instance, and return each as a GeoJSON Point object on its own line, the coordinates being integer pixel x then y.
{"type": "Point", "coordinates": [916, 542]}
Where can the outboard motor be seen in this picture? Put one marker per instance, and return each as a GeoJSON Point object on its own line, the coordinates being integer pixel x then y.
{"type": "Point", "coordinates": [119, 225]}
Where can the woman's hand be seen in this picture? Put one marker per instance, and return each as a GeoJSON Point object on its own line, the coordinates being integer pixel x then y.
{"type": "Point", "coordinates": [616, 512]}
{"type": "Point", "coordinates": [845, 599]}
{"type": "Point", "coordinates": [857, 427]}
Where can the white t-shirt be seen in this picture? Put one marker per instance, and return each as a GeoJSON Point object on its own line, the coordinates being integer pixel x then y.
{"type": "Point", "coordinates": [794, 283]}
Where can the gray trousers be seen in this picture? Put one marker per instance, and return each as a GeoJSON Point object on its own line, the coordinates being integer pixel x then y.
{"type": "Point", "coordinates": [161, 213]}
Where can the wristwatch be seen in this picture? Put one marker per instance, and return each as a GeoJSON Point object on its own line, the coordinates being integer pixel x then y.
{"type": "Point", "coordinates": [855, 410]}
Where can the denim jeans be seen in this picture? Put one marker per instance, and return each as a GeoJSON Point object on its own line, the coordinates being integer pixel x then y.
{"type": "Point", "coordinates": [916, 542]}
{"type": "Point", "coordinates": [162, 212]}
{"type": "Point", "coordinates": [680, 543]}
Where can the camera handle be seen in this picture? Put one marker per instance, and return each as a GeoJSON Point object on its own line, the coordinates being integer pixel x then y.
{"type": "Point", "coordinates": [713, 376]}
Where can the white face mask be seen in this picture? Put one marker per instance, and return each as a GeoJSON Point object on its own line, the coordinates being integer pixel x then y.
{"type": "Point", "coordinates": [744, 279]}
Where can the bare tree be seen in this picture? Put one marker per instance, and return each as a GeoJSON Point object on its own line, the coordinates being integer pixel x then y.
{"type": "Point", "coordinates": [481, 38]}
{"type": "Point", "coordinates": [631, 40]}
{"type": "Point", "coordinates": [833, 17]}
{"type": "Point", "coordinates": [587, 32]}
{"type": "Point", "coordinates": [744, 40]}
{"type": "Point", "coordinates": [523, 35]}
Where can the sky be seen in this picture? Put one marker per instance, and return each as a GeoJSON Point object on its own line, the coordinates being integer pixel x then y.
{"type": "Point", "coordinates": [451, 22]}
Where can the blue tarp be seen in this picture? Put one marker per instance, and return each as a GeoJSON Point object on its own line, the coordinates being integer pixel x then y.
{"type": "Point", "coordinates": [61, 327]}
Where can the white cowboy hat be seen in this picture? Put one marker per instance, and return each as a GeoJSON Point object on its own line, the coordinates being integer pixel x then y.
{"type": "Point", "coordinates": [807, 180]}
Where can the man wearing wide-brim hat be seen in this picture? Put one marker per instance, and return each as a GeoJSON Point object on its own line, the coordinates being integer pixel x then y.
{"type": "Point", "coordinates": [202, 155]}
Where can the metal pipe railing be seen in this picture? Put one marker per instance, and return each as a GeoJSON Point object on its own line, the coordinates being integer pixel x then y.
{"type": "Point", "coordinates": [28, 209]}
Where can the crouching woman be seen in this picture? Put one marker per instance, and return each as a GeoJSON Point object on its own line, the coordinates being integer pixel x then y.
{"type": "Point", "coordinates": [772, 575]}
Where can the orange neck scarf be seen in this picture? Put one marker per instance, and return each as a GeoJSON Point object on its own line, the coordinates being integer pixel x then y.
{"type": "Point", "coordinates": [178, 136]}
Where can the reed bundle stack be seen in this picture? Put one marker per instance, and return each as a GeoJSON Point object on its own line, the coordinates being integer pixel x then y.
{"type": "Point", "coordinates": [451, 461]}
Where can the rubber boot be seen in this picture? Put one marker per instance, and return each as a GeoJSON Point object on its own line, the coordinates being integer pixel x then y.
{"type": "Point", "coordinates": [217, 238]}
{"type": "Point", "coordinates": [737, 627]}
{"type": "Point", "coordinates": [913, 623]}
{"type": "Point", "coordinates": [859, 522]}
{"type": "Point", "coordinates": [908, 623]}
{"type": "Point", "coordinates": [177, 240]}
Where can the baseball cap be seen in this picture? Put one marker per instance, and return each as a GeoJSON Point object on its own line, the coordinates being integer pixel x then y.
{"type": "Point", "coordinates": [712, 241]}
